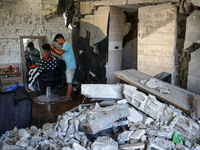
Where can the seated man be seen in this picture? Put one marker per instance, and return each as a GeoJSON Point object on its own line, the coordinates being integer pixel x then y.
{"type": "Point", "coordinates": [48, 62]}
{"type": "Point", "coordinates": [33, 53]}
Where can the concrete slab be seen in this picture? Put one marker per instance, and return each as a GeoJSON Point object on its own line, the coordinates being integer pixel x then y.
{"type": "Point", "coordinates": [105, 120]}
{"type": "Point", "coordinates": [192, 29]}
{"type": "Point", "coordinates": [112, 91]}
{"type": "Point", "coordinates": [196, 2]}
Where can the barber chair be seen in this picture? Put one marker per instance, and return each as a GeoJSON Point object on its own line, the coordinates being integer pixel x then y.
{"type": "Point", "coordinates": [51, 78]}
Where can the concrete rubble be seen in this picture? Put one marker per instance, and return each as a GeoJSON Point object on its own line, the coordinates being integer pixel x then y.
{"type": "Point", "coordinates": [142, 123]}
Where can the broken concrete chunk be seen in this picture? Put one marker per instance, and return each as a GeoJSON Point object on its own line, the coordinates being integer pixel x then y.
{"type": "Point", "coordinates": [123, 101]}
{"type": "Point", "coordinates": [23, 133]}
{"type": "Point", "coordinates": [148, 120]}
{"type": "Point", "coordinates": [188, 144]}
{"type": "Point", "coordinates": [104, 120]}
{"type": "Point", "coordinates": [181, 146]}
{"type": "Point", "coordinates": [105, 143]}
{"type": "Point", "coordinates": [76, 146]}
{"type": "Point", "coordinates": [161, 142]}
{"type": "Point", "coordinates": [125, 136]}
{"type": "Point", "coordinates": [137, 134]}
{"type": "Point", "coordinates": [112, 91]}
{"type": "Point", "coordinates": [133, 146]}
{"type": "Point", "coordinates": [64, 124]}
{"type": "Point", "coordinates": [160, 133]}
{"type": "Point", "coordinates": [134, 116]}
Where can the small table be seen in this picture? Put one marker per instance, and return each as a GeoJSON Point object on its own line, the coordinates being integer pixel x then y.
{"type": "Point", "coordinates": [7, 76]}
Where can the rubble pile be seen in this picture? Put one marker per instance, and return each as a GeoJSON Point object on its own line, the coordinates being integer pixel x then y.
{"type": "Point", "coordinates": [137, 122]}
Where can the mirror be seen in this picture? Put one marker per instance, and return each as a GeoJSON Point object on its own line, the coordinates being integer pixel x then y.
{"type": "Point", "coordinates": [26, 59]}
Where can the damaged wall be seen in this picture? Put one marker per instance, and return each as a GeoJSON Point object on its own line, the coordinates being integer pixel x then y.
{"type": "Point", "coordinates": [25, 18]}
{"type": "Point", "coordinates": [116, 24]}
{"type": "Point", "coordinates": [156, 38]}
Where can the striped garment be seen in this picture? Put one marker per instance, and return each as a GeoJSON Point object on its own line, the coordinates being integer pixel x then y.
{"type": "Point", "coordinates": [46, 63]}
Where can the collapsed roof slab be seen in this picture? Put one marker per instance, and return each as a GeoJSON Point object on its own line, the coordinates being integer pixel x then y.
{"type": "Point", "coordinates": [192, 29]}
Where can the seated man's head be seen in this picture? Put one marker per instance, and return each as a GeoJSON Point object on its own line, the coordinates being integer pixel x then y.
{"type": "Point", "coordinates": [59, 38]}
{"type": "Point", "coordinates": [46, 49]}
{"type": "Point", "coordinates": [30, 45]}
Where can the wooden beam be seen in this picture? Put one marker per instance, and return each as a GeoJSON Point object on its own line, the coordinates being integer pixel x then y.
{"type": "Point", "coordinates": [179, 97]}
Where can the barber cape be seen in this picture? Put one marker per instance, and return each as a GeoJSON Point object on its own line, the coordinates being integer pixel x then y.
{"type": "Point", "coordinates": [49, 63]}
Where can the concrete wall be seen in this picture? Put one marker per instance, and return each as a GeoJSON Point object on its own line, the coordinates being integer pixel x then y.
{"type": "Point", "coordinates": [156, 38]}
{"type": "Point", "coordinates": [25, 18]}
{"type": "Point", "coordinates": [115, 44]}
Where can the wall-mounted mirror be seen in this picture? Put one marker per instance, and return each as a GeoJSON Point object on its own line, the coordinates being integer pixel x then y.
{"type": "Point", "coordinates": [27, 59]}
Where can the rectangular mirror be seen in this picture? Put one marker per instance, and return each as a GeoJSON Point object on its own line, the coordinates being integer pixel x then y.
{"type": "Point", "coordinates": [27, 61]}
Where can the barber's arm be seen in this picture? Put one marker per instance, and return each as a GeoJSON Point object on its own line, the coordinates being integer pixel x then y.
{"type": "Point", "coordinates": [57, 51]}
{"type": "Point", "coordinates": [34, 55]}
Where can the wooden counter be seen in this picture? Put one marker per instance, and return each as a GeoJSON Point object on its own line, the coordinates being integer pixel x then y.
{"type": "Point", "coordinates": [12, 76]}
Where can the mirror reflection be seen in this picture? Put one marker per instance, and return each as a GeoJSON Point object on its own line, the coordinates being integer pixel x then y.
{"type": "Point", "coordinates": [31, 49]}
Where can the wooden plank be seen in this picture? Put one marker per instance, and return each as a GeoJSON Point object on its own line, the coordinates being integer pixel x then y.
{"type": "Point", "coordinates": [12, 79]}
{"type": "Point", "coordinates": [178, 97]}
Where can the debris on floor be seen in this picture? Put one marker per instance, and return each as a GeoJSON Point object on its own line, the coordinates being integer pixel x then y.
{"type": "Point", "coordinates": [137, 122]}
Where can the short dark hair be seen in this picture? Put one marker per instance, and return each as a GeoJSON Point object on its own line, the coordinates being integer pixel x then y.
{"type": "Point", "coordinates": [58, 36]}
{"type": "Point", "coordinates": [46, 47]}
{"type": "Point", "coordinates": [30, 44]}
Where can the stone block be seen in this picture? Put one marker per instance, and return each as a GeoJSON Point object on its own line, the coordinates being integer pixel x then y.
{"type": "Point", "coordinates": [128, 90]}
{"type": "Point", "coordinates": [125, 136]}
{"type": "Point", "coordinates": [185, 127]}
{"type": "Point", "coordinates": [137, 134]}
{"type": "Point", "coordinates": [154, 108]}
{"type": "Point", "coordinates": [111, 91]}
{"type": "Point", "coordinates": [105, 120]}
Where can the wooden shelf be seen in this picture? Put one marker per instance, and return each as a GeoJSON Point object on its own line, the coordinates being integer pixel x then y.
{"type": "Point", "coordinates": [12, 76]}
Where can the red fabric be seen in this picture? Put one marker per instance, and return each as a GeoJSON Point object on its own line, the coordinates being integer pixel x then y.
{"type": "Point", "coordinates": [196, 8]}
{"type": "Point", "coordinates": [195, 46]}
{"type": "Point", "coordinates": [33, 66]}
{"type": "Point", "coordinates": [47, 58]}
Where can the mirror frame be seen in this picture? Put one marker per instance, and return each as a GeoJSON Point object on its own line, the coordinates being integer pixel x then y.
{"type": "Point", "coordinates": [23, 56]}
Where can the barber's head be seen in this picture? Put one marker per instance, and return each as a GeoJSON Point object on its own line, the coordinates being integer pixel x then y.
{"type": "Point", "coordinates": [30, 45]}
{"type": "Point", "coordinates": [46, 49]}
{"type": "Point", "coordinates": [59, 38]}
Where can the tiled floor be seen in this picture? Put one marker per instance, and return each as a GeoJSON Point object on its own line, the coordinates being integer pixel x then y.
{"type": "Point", "coordinates": [42, 113]}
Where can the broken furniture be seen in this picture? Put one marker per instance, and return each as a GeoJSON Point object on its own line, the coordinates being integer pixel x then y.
{"type": "Point", "coordinates": [48, 79]}
{"type": "Point", "coordinates": [7, 76]}
{"type": "Point", "coordinates": [15, 109]}
{"type": "Point", "coordinates": [178, 97]}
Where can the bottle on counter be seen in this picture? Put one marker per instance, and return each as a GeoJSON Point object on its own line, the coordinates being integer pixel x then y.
{"type": "Point", "coordinates": [18, 67]}
{"type": "Point", "coordinates": [10, 67]}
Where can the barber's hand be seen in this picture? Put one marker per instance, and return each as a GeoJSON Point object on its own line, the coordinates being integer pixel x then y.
{"type": "Point", "coordinates": [52, 47]}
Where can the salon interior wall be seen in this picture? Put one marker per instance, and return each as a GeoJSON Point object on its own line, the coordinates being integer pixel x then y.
{"type": "Point", "coordinates": [26, 18]}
